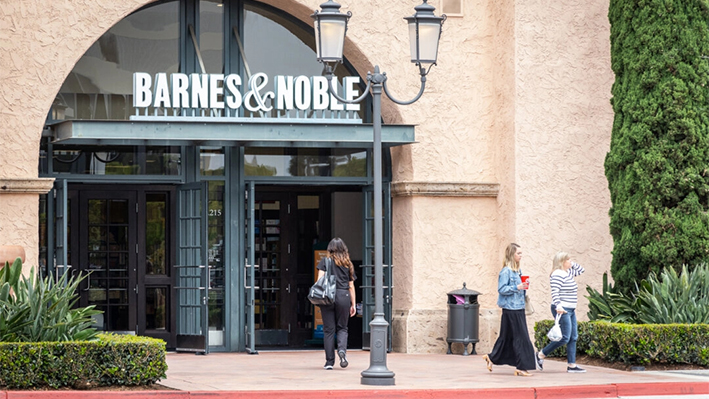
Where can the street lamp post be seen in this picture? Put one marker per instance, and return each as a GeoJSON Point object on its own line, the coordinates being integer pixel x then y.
{"type": "Point", "coordinates": [424, 34]}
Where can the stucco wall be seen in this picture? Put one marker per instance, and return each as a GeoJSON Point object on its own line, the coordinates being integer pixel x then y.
{"type": "Point", "coordinates": [532, 113]}
{"type": "Point", "coordinates": [563, 127]}
{"type": "Point", "coordinates": [40, 42]}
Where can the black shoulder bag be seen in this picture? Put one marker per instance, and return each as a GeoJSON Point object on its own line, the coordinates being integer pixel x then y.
{"type": "Point", "coordinates": [322, 293]}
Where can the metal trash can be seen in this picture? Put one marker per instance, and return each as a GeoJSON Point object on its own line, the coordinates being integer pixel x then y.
{"type": "Point", "coordinates": [463, 318]}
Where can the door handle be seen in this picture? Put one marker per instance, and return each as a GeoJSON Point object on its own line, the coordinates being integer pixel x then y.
{"type": "Point", "coordinates": [288, 288]}
{"type": "Point", "coordinates": [88, 282]}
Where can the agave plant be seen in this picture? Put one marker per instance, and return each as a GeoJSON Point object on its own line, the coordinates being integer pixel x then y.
{"type": "Point", "coordinates": [611, 305]}
{"type": "Point", "coordinates": [675, 298]}
{"type": "Point", "coordinates": [34, 309]}
{"type": "Point", "coordinates": [672, 298]}
{"type": "Point", "coordinates": [13, 316]}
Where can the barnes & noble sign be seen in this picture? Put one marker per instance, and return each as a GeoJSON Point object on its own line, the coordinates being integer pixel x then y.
{"type": "Point", "coordinates": [190, 96]}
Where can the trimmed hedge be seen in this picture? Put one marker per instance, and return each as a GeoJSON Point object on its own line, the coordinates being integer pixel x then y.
{"type": "Point", "coordinates": [636, 344]}
{"type": "Point", "coordinates": [112, 360]}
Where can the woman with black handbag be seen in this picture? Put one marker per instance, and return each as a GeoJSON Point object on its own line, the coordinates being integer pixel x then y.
{"type": "Point", "coordinates": [336, 316]}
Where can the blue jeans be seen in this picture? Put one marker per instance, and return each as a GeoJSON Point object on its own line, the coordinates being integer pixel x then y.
{"type": "Point", "coordinates": [570, 332]}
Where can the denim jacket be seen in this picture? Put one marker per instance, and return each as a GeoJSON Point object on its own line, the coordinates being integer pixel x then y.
{"type": "Point", "coordinates": [509, 297]}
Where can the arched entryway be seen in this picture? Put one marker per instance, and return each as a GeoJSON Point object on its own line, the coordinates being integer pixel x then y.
{"type": "Point", "coordinates": [152, 200]}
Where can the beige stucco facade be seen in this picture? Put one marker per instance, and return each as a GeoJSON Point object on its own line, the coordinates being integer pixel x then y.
{"type": "Point", "coordinates": [511, 136]}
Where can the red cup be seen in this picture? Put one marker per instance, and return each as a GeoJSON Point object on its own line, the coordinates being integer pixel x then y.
{"type": "Point", "coordinates": [525, 280]}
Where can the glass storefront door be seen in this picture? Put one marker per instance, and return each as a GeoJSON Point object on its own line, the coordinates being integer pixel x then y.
{"type": "Point", "coordinates": [125, 250]}
{"type": "Point", "coordinates": [107, 238]}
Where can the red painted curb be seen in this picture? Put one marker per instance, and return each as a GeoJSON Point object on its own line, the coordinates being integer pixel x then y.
{"type": "Point", "coordinates": [577, 392]}
{"type": "Point", "coordinates": [97, 394]}
{"type": "Point", "coordinates": [507, 393]}
{"type": "Point", "coordinates": [664, 388]}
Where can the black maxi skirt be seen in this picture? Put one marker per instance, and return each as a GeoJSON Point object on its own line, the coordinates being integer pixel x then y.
{"type": "Point", "coordinates": [513, 346]}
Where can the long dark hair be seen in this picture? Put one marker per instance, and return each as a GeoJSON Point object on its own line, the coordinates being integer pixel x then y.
{"type": "Point", "coordinates": [338, 252]}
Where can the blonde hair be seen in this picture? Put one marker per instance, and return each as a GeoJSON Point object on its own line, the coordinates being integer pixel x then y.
{"type": "Point", "coordinates": [559, 260]}
{"type": "Point", "coordinates": [510, 257]}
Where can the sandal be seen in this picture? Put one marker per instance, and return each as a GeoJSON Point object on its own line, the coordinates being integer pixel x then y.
{"type": "Point", "coordinates": [522, 373]}
{"type": "Point", "coordinates": [486, 358]}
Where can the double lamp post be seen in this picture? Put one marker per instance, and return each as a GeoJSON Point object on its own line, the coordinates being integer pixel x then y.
{"type": "Point", "coordinates": [424, 34]}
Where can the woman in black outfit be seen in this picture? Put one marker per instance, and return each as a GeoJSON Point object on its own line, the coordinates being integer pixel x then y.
{"type": "Point", "coordinates": [335, 317]}
{"type": "Point", "coordinates": [513, 346]}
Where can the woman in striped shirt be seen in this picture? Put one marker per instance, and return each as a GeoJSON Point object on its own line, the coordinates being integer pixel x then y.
{"type": "Point", "coordinates": [564, 297]}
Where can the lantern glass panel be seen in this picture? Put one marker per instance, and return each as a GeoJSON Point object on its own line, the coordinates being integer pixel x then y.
{"type": "Point", "coordinates": [428, 34]}
{"type": "Point", "coordinates": [332, 39]}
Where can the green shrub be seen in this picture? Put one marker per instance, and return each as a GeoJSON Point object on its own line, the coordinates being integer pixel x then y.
{"type": "Point", "coordinates": [35, 309]}
{"type": "Point", "coordinates": [610, 305]}
{"type": "Point", "coordinates": [659, 151]}
{"type": "Point", "coordinates": [682, 298]}
{"type": "Point", "coordinates": [640, 344]}
{"type": "Point", "coordinates": [107, 361]}
{"type": "Point", "coordinates": [673, 298]}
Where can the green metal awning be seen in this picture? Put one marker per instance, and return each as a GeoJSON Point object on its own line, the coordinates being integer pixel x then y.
{"type": "Point", "coordinates": [257, 134]}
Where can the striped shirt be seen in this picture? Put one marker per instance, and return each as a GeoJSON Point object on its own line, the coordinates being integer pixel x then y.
{"type": "Point", "coordinates": [564, 290]}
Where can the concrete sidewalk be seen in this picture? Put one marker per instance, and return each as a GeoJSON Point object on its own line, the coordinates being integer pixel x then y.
{"type": "Point", "coordinates": [299, 375]}
{"type": "Point", "coordinates": [429, 376]}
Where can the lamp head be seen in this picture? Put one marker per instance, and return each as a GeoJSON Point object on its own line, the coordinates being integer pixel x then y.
{"type": "Point", "coordinates": [330, 28]}
{"type": "Point", "coordinates": [424, 34]}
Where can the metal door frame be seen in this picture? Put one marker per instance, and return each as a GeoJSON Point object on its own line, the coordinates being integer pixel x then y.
{"type": "Point", "coordinates": [192, 269]}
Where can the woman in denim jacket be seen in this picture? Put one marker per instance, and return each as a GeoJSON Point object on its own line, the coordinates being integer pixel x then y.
{"type": "Point", "coordinates": [513, 346]}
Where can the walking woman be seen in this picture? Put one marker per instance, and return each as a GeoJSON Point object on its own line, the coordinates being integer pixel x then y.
{"type": "Point", "coordinates": [564, 297]}
{"type": "Point", "coordinates": [336, 316]}
{"type": "Point", "coordinates": [513, 346]}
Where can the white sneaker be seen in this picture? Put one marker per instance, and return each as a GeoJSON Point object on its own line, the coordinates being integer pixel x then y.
{"type": "Point", "coordinates": [575, 369]}
{"type": "Point", "coordinates": [540, 361]}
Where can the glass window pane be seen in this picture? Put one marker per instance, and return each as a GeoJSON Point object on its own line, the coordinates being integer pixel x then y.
{"type": "Point", "coordinates": [156, 308]}
{"type": "Point", "coordinates": [211, 161]}
{"type": "Point", "coordinates": [118, 296]}
{"type": "Point", "coordinates": [98, 238]}
{"type": "Point", "coordinates": [97, 260]}
{"type": "Point", "coordinates": [101, 84]}
{"type": "Point", "coordinates": [155, 234]}
{"type": "Point", "coordinates": [160, 161]}
{"type": "Point", "coordinates": [118, 212]}
{"type": "Point", "coordinates": [216, 229]}
{"type": "Point", "coordinates": [322, 162]}
{"type": "Point", "coordinates": [276, 45]}
{"type": "Point", "coordinates": [97, 211]}
{"type": "Point", "coordinates": [117, 318]}
{"type": "Point", "coordinates": [211, 35]}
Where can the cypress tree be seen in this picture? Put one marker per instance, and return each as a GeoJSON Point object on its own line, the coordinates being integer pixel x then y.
{"type": "Point", "coordinates": [658, 164]}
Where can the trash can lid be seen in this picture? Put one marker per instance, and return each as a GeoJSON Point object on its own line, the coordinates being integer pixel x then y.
{"type": "Point", "coordinates": [464, 291]}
